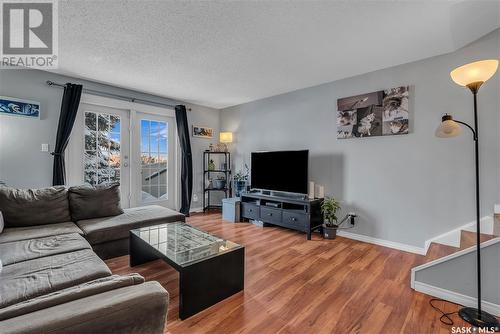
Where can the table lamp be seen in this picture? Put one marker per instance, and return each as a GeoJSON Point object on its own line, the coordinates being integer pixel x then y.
{"type": "Point", "coordinates": [226, 138]}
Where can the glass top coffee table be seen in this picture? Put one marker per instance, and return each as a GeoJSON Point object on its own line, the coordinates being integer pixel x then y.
{"type": "Point", "coordinates": [210, 268]}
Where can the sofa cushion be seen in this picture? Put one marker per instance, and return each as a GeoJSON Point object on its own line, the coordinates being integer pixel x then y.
{"type": "Point", "coordinates": [88, 202]}
{"type": "Point", "coordinates": [40, 231]}
{"type": "Point", "coordinates": [29, 207]}
{"type": "Point", "coordinates": [101, 230]}
{"type": "Point", "coordinates": [140, 308]}
{"type": "Point", "coordinates": [25, 250]}
{"type": "Point", "coordinates": [83, 290]}
{"type": "Point", "coordinates": [2, 224]}
{"type": "Point", "coordinates": [33, 278]}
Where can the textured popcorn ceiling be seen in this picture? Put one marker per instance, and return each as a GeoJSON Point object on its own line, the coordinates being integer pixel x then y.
{"type": "Point", "coordinates": [220, 54]}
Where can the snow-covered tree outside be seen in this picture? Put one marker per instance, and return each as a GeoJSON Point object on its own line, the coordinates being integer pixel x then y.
{"type": "Point", "coordinates": [102, 148]}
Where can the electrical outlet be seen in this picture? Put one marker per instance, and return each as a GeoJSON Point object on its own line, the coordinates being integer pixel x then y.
{"type": "Point", "coordinates": [45, 148]}
{"type": "Point", "coordinates": [352, 215]}
{"type": "Point", "coordinates": [195, 198]}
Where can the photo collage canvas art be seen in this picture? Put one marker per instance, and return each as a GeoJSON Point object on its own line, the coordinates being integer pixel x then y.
{"type": "Point", "coordinates": [381, 113]}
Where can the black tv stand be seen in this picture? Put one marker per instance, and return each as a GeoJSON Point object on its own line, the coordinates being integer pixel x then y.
{"type": "Point", "coordinates": [292, 211]}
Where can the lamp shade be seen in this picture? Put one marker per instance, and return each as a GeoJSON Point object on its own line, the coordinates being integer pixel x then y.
{"type": "Point", "coordinates": [479, 71]}
{"type": "Point", "coordinates": [448, 128]}
{"type": "Point", "coordinates": [226, 137]}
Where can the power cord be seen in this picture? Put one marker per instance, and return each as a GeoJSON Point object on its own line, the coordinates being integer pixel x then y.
{"type": "Point", "coordinates": [445, 317]}
{"type": "Point", "coordinates": [350, 216]}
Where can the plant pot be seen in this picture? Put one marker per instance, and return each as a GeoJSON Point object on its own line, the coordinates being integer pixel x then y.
{"type": "Point", "coordinates": [329, 232]}
{"type": "Point", "coordinates": [239, 186]}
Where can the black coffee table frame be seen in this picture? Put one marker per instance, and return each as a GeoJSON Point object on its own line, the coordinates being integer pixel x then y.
{"type": "Point", "coordinates": [201, 284]}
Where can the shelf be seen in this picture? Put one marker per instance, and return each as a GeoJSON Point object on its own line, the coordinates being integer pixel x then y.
{"type": "Point", "coordinates": [221, 164]}
{"type": "Point", "coordinates": [212, 207]}
{"type": "Point", "coordinates": [209, 152]}
{"type": "Point", "coordinates": [215, 189]}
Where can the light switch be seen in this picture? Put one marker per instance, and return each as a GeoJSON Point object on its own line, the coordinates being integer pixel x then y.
{"type": "Point", "coordinates": [45, 147]}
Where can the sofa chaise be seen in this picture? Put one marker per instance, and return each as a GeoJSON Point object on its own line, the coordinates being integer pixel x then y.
{"type": "Point", "coordinates": [52, 275]}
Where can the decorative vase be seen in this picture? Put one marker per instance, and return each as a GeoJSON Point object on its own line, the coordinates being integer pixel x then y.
{"type": "Point", "coordinates": [219, 184]}
{"type": "Point", "coordinates": [239, 187]}
{"type": "Point", "coordinates": [211, 165]}
{"type": "Point", "coordinates": [329, 232]}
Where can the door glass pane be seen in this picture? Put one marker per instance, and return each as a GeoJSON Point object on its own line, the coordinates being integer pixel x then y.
{"type": "Point", "coordinates": [102, 156]}
{"type": "Point", "coordinates": [103, 123]}
{"type": "Point", "coordinates": [154, 155]}
{"type": "Point", "coordinates": [114, 124]}
{"type": "Point", "coordinates": [90, 121]}
{"type": "Point", "coordinates": [90, 139]}
{"type": "Point", "coordinates": [145, 136]}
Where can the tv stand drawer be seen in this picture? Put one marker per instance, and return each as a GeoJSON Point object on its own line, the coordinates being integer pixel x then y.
{"type": "Point", "coordinates": [270, 215]}
{"type": "Point", "coordinates": [250, 211]}
{"type": "Point", "coordinates": [295, 220]}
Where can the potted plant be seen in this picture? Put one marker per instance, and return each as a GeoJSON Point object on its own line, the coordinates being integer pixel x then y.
{"type": "Point", "coordinates": [329, 208]}
{"type": "Point", "coordinates": [240, 181]}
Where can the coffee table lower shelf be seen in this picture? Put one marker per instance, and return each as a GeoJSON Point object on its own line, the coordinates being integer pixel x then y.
{"type": "Point", "coordinates": [201, 284]}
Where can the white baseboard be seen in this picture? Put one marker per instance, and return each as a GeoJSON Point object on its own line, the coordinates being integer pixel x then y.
{"type": "Point", "coordinates": [382, 242]}
{"type": "Point", "coordinates": [455, 297]}
{"type": "Point", "coordinates": [452, 238]}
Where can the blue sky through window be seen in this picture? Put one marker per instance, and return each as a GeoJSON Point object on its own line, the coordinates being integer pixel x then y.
{"type": "Point", "coordinates": [154, 136]}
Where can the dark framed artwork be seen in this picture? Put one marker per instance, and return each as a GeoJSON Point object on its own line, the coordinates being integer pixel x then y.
{"type": "Point", "coordinates": [19, 107]}
{"type": "Point", "coordinates": [381, 113]}
{"type": "Point", "coordinates": [202, 132]}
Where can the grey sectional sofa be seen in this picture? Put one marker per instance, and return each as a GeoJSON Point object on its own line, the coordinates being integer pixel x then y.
{"type": "Point", "coordinates": [54, 279]}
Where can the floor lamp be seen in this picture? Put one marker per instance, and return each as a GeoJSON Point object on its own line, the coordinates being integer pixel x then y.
{"type": "Point", "coordinates": [472, 76]}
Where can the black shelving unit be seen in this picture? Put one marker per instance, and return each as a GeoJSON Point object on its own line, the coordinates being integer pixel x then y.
{"type": "Point", "coordinates": [207, 175]}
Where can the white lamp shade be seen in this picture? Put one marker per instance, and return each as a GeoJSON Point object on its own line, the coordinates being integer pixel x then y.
{"type": "Point", "coordinates": [226, 137]}
{"type": "Point", "coordinates": [448, 129]}
{"type": "Point", "coordinates": [479, 71]}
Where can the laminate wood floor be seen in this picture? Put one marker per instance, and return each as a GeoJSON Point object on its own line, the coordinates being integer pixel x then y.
{"type": "Point", "coordinates": [297, 286]}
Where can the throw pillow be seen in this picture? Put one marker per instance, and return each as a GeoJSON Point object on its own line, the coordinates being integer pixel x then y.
{"type": "Point", "coordinates": [87, 202]}
{"type": "Point", "coordinates": [1, 222]}
{"type": "Point", "coordinates": [29, 207]}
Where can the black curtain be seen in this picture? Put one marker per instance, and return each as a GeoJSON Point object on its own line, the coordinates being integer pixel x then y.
{"type": "Point", "coordinates": [69, 108]}
{"type": "Point", "coordinates": [186, 160]}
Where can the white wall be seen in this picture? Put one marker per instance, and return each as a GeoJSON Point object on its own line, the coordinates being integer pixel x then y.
{"type": "Point", "coordinates": [23, 165]}
{"type": "Point", "coordinates": [407, 188]}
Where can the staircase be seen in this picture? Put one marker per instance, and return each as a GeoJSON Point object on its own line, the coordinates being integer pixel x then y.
{"type": "Point", "coordinates": [438, 250]}
{"type": "Point", "coordinates": [449, 266]}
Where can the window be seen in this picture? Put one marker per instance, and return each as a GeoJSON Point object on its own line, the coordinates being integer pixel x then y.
{"type": "Point", "coordinates": [154, 156]}
{"type": "Point", "coordinates": [102, 156]}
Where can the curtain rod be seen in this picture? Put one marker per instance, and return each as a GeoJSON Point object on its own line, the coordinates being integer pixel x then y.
{"type": "Point", "coordinates": [116, 96]}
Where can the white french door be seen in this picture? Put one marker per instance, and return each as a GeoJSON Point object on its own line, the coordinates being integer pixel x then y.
{"type": "Point", "coordinates": [135, 147]}
{"type": "Point", "coordinates": [154, 154]}
{"type": "Point", "coordinates": [99, 148]}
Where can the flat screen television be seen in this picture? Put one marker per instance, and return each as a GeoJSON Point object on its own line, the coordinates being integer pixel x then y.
{"type": "Point", "coordinates": [285, 171]}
